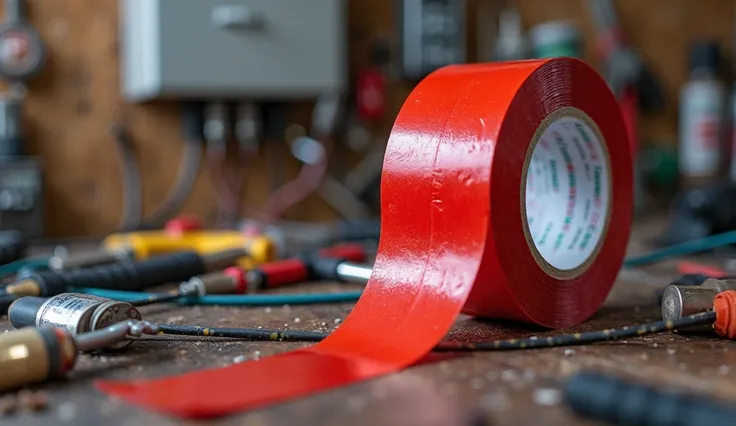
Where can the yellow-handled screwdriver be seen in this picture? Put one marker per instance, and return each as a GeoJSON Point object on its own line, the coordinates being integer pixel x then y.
{"type": "Point", "coordinates": [179, 235]}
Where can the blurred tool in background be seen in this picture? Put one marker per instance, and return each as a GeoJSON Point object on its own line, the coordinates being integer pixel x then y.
{"type": "Point", "coordinates": [22, 56]}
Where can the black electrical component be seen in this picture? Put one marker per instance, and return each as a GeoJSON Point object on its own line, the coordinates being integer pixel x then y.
{"type": "Point", "coordinates": [613, 400]}
{"type": "Point", "coordinates": [12, 246]}
{"type": "Point", "coordinates": [432, 35]}
{"type": "Point", "coordinates": [699, 212]}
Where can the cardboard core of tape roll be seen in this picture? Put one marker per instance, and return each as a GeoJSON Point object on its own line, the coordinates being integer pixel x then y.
{"type": "Point", "coordinates": [566, 194]}
{"type": "Point", "coordinates": [456, 233]}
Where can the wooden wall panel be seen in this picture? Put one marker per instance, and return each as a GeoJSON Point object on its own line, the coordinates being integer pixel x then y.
{"type": "Point", "coordinates": [72, 104]}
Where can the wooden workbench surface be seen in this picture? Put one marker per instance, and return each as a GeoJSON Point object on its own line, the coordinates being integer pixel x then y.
{"type": "Point", "coordinates": [503, 388]}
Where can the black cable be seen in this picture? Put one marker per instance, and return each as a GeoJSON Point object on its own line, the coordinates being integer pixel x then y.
{"type": "Point", "coordinates": [242, 333]}
{"type": "Point", "coordinates": [186, 177]}
{"type": "Point", "coordinates": [188, 172]}
{"type": "Point", "coordinates": [582, 338]}
{"type": "Point", "coordinates": [494, 345]}
{"type": "Point", "coordinates": [274, 127]}
{"type": "Point", "coordinates": [132, 187]}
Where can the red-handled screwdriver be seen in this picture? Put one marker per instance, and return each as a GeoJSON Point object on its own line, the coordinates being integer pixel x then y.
{"type": "Point", "coordinates": [236, 280]}
{"type": "Point", "coordinates": [305, 267]}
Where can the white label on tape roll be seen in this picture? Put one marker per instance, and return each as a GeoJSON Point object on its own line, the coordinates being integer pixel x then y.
{"type": "Point", "coordinates": [567, 193]}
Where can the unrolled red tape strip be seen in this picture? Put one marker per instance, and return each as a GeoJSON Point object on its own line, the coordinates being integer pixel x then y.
{"type": "Point", "coordinates": [452, 238]}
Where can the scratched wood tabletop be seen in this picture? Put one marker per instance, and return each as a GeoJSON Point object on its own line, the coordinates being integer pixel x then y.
{"type": "Point", "coordinates": [502, 388]}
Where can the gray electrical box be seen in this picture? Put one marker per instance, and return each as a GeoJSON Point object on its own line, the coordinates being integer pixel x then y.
{"type": "Point", "coordinates": [177, 49]}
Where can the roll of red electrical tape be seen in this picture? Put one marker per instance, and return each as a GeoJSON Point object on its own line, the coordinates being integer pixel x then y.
{"type": "Point", "coordinates": [506, 192]}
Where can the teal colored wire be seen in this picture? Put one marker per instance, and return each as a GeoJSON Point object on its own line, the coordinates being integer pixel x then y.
{"type": "Point", "coordinates": [235, 300]}
{"type": "Point", "coordinates": [683, 249]}
{"type": "Point", "coordinates": [12, 268]}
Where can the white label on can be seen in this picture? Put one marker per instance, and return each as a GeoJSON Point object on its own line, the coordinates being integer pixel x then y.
{"type": "Point", "coordinates": [701, 130]}
{"type": "Point", "coordinates": [66, 310]}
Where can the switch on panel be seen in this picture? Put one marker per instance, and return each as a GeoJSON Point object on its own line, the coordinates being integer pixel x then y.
{"type": "Point", "coordinates": [279, 49]}
{"type": "Point", "coordinates": [432, 35]}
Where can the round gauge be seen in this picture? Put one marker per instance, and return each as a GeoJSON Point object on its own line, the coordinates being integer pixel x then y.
{"type": "Point", "coordinates": [21, 52]}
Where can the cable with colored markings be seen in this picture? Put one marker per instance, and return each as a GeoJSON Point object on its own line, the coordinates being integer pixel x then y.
{"type": "Point", "coordinates": [494, 345]}
{"type": "Point", "coordinates": [243, 333]}
{"type": "Point", "coordinates": [588, 337]}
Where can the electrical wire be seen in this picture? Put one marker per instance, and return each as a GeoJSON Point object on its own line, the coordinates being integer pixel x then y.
{"type": "Point", "coordinates": [312, 152]}
{"type": "Point", "coordinates": [684, 249]}
{"type": "Point", "coordinates": [186, 178]}
{"type": "Point", "coordinates": [229, 180]}
{"type": "Point", "coordinates": [132, 187]}
{"type": "Point", "coordinates": [243, 333]}
{"type": "Point", "coordinates": [293, 192]}
{"type": "Point", "coordinates": [228, 198]}
{"type": "Point", "coordinates": [589, 337]}
{"type": "Point", "coordinates": [232, 300]}
{"type": "Point", "coordinates": [494, 345]}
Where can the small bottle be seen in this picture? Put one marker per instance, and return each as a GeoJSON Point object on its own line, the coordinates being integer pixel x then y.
{"type": "Point", "coordinates": [702, 117]}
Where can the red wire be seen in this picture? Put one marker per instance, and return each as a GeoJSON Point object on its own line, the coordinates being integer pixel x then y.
{"type": "Point", "coordinates": [296, 190]}
{"type": "Point", "coordinates": [228, 182]}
